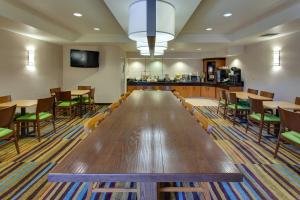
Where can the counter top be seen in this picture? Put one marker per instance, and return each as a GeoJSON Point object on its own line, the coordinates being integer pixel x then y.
{"type": "Point", "coordinates": [173, 83]}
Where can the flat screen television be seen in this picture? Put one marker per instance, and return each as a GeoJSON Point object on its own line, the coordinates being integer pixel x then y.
{"type": "Point", "coordinates": [84, 59]}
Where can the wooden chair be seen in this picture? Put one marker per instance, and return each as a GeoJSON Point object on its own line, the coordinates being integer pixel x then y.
{"type": "Point", "coordinates": [44, 113]}
{"type": "Point", "coordinates": [7, 132]}
{"type": "Point", "coordinates": [182, 100]}
{"type": "Point", "coordinates": [113, 106]}
{"type": "Point", "coordinates": [290, 129]}
{"type": "Point", "coordinates": [204, 122]}
{"type": "Point", "coordinates": [84, 87]}
{"type": "Point", "coordinates": [93, 123]}
{"type": "Point", "coordinates": [90, 100]}
{"type": "Point", "coordinates": [267, 94]}
{"type": "Point", "coordinates": [66, 103]}
{"type": "Point", "coordinates": [4, 99]}
{"type": "Point", "coordinates": [127, 94]}
{"type": "Point", "coordinates": [223, 102]}
{"type": "Point", "coordinates": [122, 98]}
{"type": "Point", "coordinates": [236, 108]}
{"type": "Point", "coordinates": [176, 94]}
{"type": "Point", "coordinates": [297, 101]}
{"type": "Point", "coordinates": [189, 107]}
{"type": "Point", "coordinates": [252, 91]}
{"type": "Point", "coordinates": [258, 116]}
{"type": "Point", "coordinates": [53, 91]}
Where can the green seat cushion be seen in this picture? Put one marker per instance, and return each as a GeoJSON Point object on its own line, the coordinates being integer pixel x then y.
{"type": "Point", "coordinates": [67, 103]}
{"type": "Point", "coordinates": [292, 135]}
{"type": "Point", "coordinates": [222, 101]}
{"type": "Point", "coordinates": [267, 118]}
{"type": "Point", "coordinates": [239, 107]}
{"type": "Point", "coordinates": [87, 101]}
{"type": "Point", "coordinates": [4, 132]}
{"type": "Point", "coordinates": [245, 103]}
{"type": "Point", "coordinates": [32, 116]}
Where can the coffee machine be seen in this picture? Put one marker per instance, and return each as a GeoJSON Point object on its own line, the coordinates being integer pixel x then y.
{"type": "Point", "coordinates": [236, 75]}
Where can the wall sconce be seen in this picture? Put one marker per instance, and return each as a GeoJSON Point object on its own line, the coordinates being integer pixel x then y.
{"type": "Point", "coordinates": [276, 59]}
{"type": "Point", "coordinates": [30, 59]}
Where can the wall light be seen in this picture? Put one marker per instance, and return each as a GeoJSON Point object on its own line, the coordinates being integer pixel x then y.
{"type": "Point", "coordinates": [276, 59]}
{"type": "Point", "coordinates": [30, 59]}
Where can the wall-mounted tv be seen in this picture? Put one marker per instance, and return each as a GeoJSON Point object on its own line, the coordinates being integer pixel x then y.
{"type": "Point", "coordinates": [84, 59]}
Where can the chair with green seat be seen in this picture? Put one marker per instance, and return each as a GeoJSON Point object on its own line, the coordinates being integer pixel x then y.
{"type": "Point", "coordinates": [259, 116]}
{"type": "Point", "coordinates": [223, 102]}
{"type": "Point", "coordinates": [44, 113]}
{"type": "Point", "coordinates": [4, 99]}
{"type": "Point", "coordinates": [290, 128]}
{"type": "Point", "coordinates": [90, 100]}
{"type": "Point", "coordinates": [7, 132]}
{"type": "Point", "coordinates": [66, 103]}
{"type": "Point", "coordinates": [236, 108]}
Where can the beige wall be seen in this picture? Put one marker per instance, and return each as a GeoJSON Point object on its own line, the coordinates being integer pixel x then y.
{"type": "Point", "coordinates": [107, 79]}
{"type": "Point", "coordinates": [19, 82]}
{"type": "Point", "coordinates": [257, 70]}
{"type": "Point", "coordinates": [160, 67]}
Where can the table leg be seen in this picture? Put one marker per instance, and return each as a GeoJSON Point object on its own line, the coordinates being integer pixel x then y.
{"type": "Point", "coordinates": [89, 192]}
{"type": "Point", "coordinates": [147, 191]}
{"type": "Point", "coordinates": [23, 129]}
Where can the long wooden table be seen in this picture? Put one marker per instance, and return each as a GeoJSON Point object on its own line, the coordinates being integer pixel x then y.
{"type": "Point", "coordinates": [150, 139]}
{"type": "Point", "coordinates": [282, 104]}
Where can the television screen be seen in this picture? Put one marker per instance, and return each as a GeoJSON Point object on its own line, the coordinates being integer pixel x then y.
{"type": "Point", "coordinates": [85, 59]}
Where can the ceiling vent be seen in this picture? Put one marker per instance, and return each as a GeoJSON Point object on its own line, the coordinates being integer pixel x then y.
{"type": "Point", "coordinates": [269, 34]}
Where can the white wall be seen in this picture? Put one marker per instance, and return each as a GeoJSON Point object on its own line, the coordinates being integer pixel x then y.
{"type": "Point", "coordinates": [257, 70]}
{"type": "Point", "coordinates": [15, 79]}
{"type": "Point", "coordinates": [107, 79]}
{"type": "Point", "coordinates": [160, 67]}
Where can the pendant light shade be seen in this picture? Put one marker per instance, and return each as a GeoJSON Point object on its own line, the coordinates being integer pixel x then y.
{"type": "Point", "coordinates": [165, 23]}
{"type": "Point", "coordinates": [160, 46]}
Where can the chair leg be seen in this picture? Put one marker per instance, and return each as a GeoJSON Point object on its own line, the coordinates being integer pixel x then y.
{"type": "Point", "coordinates": [18, 129]}
{"type": "Point", "coordinates": [53, 123]}
{"type": "Point", "coordinates": [277, 147]}
{"type": "Point", "coordinates": [260, 131]}
{"type": "Point", "coordinates": [38, 131]}
{"type": "Point", "coordinates": [247, 128]}
{"type": "Point", "coordinates": [16, 144]}
{"type": "Point", "coordinates": [218, 108]}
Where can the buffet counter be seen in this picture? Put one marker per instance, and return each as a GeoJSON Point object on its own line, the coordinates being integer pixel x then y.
{"type": "Point", "coordinates": [186, 89]}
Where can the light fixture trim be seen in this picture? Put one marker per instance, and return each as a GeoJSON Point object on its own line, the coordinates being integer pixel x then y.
{"type": "Point", "coordinates": [96, 29]}
{"type": "Point", "coordinates": [209, 29]}
{"type": "Point", "coordinates": [228, 14]}
{"type": "Point", "coordinates": [77, 14]}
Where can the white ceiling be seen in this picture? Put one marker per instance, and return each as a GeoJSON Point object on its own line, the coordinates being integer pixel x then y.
{"type": "Point", "coordinates": [52, 20]}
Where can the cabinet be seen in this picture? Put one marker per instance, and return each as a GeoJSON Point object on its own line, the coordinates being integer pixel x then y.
{"type": "Point", "coordinates": [208, 92]}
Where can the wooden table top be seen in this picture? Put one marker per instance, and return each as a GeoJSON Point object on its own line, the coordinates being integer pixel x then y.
{"type": "Point", "coordinates": [246, 95]}
{"type": "Point", "coordinates": [20, 103]}
{"type": "Point", "coordinates": [79, 92]}
{"type": "Point", "coordinates": [281, 104]}
{"type": "Point", "coordinates": [150, 137]}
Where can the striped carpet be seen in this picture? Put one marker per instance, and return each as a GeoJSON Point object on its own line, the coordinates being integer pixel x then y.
{"type": "Point", "coordinates": [25, 176]}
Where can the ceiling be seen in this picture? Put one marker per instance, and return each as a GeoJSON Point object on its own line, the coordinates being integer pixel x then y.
{"type": "Point", "coordinates": [53, 21]}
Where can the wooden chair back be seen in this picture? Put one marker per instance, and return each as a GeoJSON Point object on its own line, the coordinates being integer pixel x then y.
{"type": "Point", "coordinates": [297, 100]}
{"type": "Point", "coordinates": [289, 120]}
{"type": "Point", "coordinates": [188, 106]}
{"type": "Point", "coordinates": [176, 94]}
{"type": "Point", "coordinates": [256, 106]}
{"type": "Point", "coordinates": [232, 98]}
{"type": "Point", "coordinates": [53, 91]}
{"type": "Point", "coordinates": [223, 96]}
{"type": "Point", "coordinates": [84, 87]}
{"type": "Point", "coordinates": [92, 123]}
{"type": "Point", "coordinates": [181, 99]}
{"type": "Point", "coordinates": [4, 99]}
{"type": "Point", "coordinates": [63, 96]}
{"type": "Point", "coordinates": [92, 93]}
{"type": "Point", "coordinates": [266, 94]}
{"type": "Point", "coordinates": [7, 116]}
{"type": "Point", "coordinates": [114, 106]}
{"type": "Point", "coordinates": [45, 105]}
{"type": "Point", "coordinates": [204, 121]}
{"type": "Point", "coordinates": [252, 91]}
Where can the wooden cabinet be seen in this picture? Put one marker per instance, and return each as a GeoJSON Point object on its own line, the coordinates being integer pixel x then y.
{"type": "Point", "coordinates": [208, 92]}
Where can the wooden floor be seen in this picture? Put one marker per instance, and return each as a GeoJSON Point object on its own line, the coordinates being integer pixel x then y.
{"type": "Point", "coordinates": [25, 176]}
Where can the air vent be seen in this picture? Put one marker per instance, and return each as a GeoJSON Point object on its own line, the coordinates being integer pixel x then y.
{"type": "Point", "coordinates": [269, 34]}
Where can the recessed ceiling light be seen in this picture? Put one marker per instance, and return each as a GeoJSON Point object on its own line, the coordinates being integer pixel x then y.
{"type": "Point", "coordinates": [199, 49]}
{"type": "Point", "coordinates": [209, 29]}
{"type": "Point", "coordinates": [227, 15]}
{"type": "Point", "coordinates": [96, 29]}
{"type": "Point", "coordinates": [77, 14]}
{"type": "Point", "coordinates": [172, 49]}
